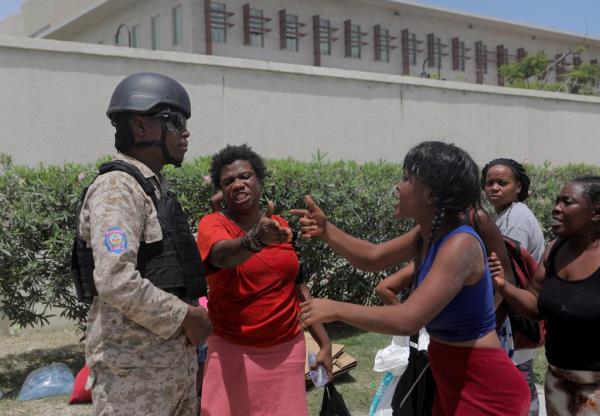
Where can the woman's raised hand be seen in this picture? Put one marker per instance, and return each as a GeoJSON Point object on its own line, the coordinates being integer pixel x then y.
{"type": "Point", "coordinates": [313, 221]}
{"type": "Point", "coordinates": [496, 271]}
{"type": "Point", "coordinates": [270, 231]}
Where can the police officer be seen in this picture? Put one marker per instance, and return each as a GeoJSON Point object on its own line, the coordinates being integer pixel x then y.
{"type": "Point", "coordinates": [142, 328]}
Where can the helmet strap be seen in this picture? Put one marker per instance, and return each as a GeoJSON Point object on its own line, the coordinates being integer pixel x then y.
{"type": "Point", "coordinates": [146, 144]}
{"type": "Point", "coordinates": [169, 160]}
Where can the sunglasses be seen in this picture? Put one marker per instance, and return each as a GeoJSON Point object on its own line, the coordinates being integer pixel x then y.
{"type": "Point", "coordinates": [174, 120]}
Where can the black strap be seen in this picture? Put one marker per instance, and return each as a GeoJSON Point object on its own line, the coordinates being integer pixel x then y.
{"type": "Point", "coordinates": [145, 183]}
{"type": "Point", "coordinates": [550, 263]}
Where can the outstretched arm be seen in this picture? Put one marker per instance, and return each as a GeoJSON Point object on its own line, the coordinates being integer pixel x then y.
{"type": "Point", "coordinates": [360, 253]}
{"type": "Point", "coordinates": [459, 262]}
{"type": "Point", "coordinates": [228, 254]}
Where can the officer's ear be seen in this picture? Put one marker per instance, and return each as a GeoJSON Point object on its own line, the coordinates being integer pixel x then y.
{"type": "Point", "coordinates": [138, 126]}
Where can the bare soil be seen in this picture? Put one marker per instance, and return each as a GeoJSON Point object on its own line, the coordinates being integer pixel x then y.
{"type": "Point", "coordinates": [28, 349]}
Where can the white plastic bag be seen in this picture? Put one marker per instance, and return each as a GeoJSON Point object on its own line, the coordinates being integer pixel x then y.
{"type": "Point", "coordinates": [392, 360]}
{"type": "Point", "coordinates": [381, 405]}
{"type": "Point", "coordinates": [52, 380]}
{"type": "Point", "coordinates": [394, 357]}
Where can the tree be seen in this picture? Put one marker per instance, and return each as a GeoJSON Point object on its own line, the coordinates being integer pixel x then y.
{"type": "Point", "coordinates": [583, 79]}
{"type": "Point", "coordinates": [524, 70]}
{"type": "Point", "coordinates": [533, 72]}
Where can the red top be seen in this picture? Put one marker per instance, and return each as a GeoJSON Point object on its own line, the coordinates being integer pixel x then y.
{"type": "Point", "coordinates": [254, 303]}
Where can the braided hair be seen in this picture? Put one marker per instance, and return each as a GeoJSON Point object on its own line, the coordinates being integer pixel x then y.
{"type": "Point", "coordinates": [450, 173]}
{"type": "Point", "coordinates": [518, 171]}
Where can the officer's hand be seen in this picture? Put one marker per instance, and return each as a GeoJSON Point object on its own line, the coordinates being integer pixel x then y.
{"type": "Point", "coordinates": [270, 231]}
{"type": "Point", "coordinates": [196, 326]}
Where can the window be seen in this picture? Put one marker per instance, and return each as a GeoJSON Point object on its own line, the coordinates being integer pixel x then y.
{"type": "Point", "coordinates": [135, 36]}
{"type": "Point", "coordinates": [435, 51]}
{"type": "Point", "coordinates": [216, 24]}
{"type": "Point", "coordinates": [410, 50]}
{"type": "Point", "coordinates": [155, 25]}
{"type": "Point", "coordinates": [123, 36]}
{"type": "Point", "coordinates": [480, 61]}
{"type": "Point", "coordinates": [254, 26]}
{"type": "Point", "coordinates": [459, 54]}
{"type": "Point", "coordinates": [219, 24]}
{"type": "Point", "coordinates": [325, 39]}
{"type": "Point", "coordinates": [289, 31]}
{"type": "Point", "coordinates": [501, 60]}
{"type": "Point", "coordinates": [177, 25]}
{"type": "Point", "coordinates": [383, 45]}
{"type": "Point", "coordinates": [322, 38]}
{"type": "Point", "coordinates": [353, 38]}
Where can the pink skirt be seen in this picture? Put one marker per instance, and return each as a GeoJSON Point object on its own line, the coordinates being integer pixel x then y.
{"type": "Point", "coordinates": [476, 381]}
{"type": "Point", "coordinates": [249, 381]}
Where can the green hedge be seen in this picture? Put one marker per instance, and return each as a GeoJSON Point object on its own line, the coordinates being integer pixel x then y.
{"type": "Point", "coordinates": [38, 204]}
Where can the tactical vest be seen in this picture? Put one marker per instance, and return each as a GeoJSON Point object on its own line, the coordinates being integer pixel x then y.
{"type": "Point", "coordinates": [172, 264]}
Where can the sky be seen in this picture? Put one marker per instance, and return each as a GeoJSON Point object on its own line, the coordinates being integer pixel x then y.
{"type": "Point", "coordinates": [8, 7]}
{"type": "Point", "coordinates": [576, 16]}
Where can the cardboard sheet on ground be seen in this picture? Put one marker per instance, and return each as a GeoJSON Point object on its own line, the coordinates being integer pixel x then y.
{"type": "Point", "coordinates": [342, 361]}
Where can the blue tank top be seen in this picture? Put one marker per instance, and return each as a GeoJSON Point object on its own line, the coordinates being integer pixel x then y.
{"type": "Point", "coordinates": [470, 315]}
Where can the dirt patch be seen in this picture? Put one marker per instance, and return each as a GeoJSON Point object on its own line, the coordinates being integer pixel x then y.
{"type": "Point", "coordinates": [26, 350]}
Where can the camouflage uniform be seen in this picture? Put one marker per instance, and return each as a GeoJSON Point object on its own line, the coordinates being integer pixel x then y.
{"type": "Point", "coordinates": [140, 361]}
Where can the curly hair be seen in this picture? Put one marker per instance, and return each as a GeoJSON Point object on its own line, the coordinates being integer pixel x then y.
{"type": "Point", "coordinates": [450, 173]}
{"type": "Point", "coordinates": [230, 154]}
{"type": "Point", "coordinates": [591, 187]}
{"type": "Point", "coordinates": [518, 171]}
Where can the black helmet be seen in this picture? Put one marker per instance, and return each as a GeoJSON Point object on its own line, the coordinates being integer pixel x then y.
{"type": "Point", "coordinates": [144, 91]}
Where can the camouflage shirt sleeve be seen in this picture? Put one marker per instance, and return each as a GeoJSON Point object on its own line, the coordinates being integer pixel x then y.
{"type": "Point", "coordinates": [117, 219]}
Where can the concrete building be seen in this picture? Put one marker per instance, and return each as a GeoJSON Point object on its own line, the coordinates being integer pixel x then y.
{"type": "Point", "coordinates": [56, 94]}
{"type": "Point", "coordinates": [384, 36]}
{"type": "Point", "coordinates": [270, 92]}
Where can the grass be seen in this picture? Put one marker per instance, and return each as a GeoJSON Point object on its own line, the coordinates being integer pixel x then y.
{"type": "Point", "coordinates": [357, 387]}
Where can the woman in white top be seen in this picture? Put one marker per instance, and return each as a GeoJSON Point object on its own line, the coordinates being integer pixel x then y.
{"type": "Point", "coordinates": [506, 186]}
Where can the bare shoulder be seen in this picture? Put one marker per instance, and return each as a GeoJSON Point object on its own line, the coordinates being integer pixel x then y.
{"type": "Point", "coordinates": [463, 252]}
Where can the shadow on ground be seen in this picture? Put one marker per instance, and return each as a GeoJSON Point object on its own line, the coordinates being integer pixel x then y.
{"type": "Point", "coordinates": [14, 368]}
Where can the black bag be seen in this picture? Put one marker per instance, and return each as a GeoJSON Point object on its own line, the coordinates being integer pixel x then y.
{"type": "Point", "coordinates": [333, 403]}
{"type": "Point", "coordinates": [416, 388]}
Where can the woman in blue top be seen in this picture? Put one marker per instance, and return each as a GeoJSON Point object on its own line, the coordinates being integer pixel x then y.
{"type": "Point", "coordinates": [453, 296]}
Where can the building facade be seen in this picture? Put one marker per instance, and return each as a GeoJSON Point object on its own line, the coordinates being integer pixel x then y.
{"type": "Point", "coordinates": [383, 36]}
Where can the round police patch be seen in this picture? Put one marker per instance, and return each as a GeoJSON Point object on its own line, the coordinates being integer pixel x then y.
{"type": "Point", "coordinates": [115, 240]}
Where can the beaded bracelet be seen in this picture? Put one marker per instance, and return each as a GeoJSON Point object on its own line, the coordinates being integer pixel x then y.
{"type": "Point", "coordinates": [251, 241]}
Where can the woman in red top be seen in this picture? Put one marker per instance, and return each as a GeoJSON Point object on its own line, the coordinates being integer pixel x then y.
{"type": "Point", "coordinates": [255, 362]}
